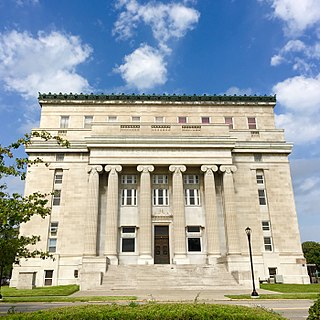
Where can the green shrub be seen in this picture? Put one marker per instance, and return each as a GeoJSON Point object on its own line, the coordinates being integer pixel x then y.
{"type": "Point", "coordinates": [152, 311]}
{"type": "Point", "coordinates": [314, 310]}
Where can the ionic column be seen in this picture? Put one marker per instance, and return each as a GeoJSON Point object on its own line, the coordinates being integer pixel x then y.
{"type": "Point", "coordinates": [111, 239]}
{"type": "Point", "coordinates": [230, 210]}
{"type": "Point", "coordinates": [145, 241]}
{"type": "Point", "coordinates": [212, 228]}
{"type": "Point", "coordinates": [179, 223]}
{"type": "Point", "coordinates": [90, 237]}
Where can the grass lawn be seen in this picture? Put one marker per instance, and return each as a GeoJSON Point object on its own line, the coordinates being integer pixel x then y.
{"type": "Point", "coordinates": [53, 294]}
{"type": "Point", "coordinates": [151, 311]}
{"type": "Point", "coordinates": [286, 291]}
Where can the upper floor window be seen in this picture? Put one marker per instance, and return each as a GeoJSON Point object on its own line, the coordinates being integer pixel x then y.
{"type": "Point", "coordinates": [56, 198]}
{"type": "Point", "coordinates": [159, 119]}
{"type": "Point", "coordinates": [262, 197]}
{"type": "Point", "coordinates": [160, 197]}
{"type": "Point", "coordinates": [205, 120]}
{"type": "Point", "coordinates": [267, 244]}
{"type": "Point", "coordinates": [129, 197]}
{"type": "Point", "coordinates": [260, 177]}
{"type": "Point", "coordinates": [191, 179]}
{"type": "Point", "coordinates": [64, 121]}
{"type": "Point", "coordinates": [58, 176]}
{"type": "Point", "coordinates": [182, 119]}
{"type": "Point", "coordinates": [257, 157]}
{"type": "Point", "coordinates": [252, 123]}
{"type": "Point", "coordinates": [160, 179]}
{"type": "Point", "coordinates": [229, 122]}
{"type": "Point", "coordinates": [52, 245]}
{"type": "Point", "coordinates": [192, 197]}
{"type": "Point", "coordinates": [112, 118]}
{"type": "Point", "coordinates": [136, 119]}
{"type": "Point", "coordinates": [265, 225]}
{"type": "Point", "coordinates": [53, 229]}
{"type": "Point", "coordinates": [88, 122]}
{"type": "Point", "coordinates": [129, 179]}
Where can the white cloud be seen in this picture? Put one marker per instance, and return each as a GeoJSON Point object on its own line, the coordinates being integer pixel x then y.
{"type": "Point", "coordinates": [309, 184]}
{"type": "Point", "coordinates": [26, 2]}
{"type": "Point", "coordinates": [297, 14]}
{"type": "Point", "coordinates": [44, 63]}
{"type": "Point", "coordinates": [167, 21]}
{"type": "Point", "coordinates": [300, 98]}
{"type": "Point", "coordinates": [144, 68]}
{"type": "Point", "coordinates": [239, 92]}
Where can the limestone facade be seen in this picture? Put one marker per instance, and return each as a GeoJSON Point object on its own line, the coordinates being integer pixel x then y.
{"type": "Point", "coordinates": [162, 180]}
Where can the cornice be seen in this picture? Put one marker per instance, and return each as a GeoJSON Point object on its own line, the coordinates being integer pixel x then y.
{"type": "Point", "coordinates": [60, 97]}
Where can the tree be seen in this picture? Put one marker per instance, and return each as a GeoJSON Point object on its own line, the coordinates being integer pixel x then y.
{"type": "Point", "coordinates": [15, 208]}
{"type": "Point", "coordinates": [311, 251]}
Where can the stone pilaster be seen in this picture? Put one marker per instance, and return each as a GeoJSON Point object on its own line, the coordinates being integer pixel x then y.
{"type": "Point", "coordinates": [212, 228]}
{"type": "Point", "coordinates": [230, 210]}
{"type": "Point", "coordinates": [179, 221]}
{"type": "Point", "coordinates": [145, 227]}
{"type": "Point", "coordinates": [91, 230]}
{"type": "Point", "coordinates": [111, 239]}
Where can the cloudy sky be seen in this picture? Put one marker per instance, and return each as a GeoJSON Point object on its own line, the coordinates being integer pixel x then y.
{"type": "Point", "coordinates": [179, 46]}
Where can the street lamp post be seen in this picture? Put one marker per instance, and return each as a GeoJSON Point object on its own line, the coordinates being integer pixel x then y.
{"type": "Point", "coordinates": [254, 293]}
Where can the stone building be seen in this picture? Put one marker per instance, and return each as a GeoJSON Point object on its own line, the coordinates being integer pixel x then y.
{"type": "Point", "coordinates": [170, 180]}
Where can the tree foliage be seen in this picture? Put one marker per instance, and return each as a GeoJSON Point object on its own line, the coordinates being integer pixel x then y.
{"type": "Point", "coordinates": [15, 208]}
{"type": "Point", "coordinates": [311, 251]}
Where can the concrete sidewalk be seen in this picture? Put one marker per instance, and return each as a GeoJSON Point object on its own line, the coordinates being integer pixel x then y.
{"type": "Point", "coordinates": [172, 295]}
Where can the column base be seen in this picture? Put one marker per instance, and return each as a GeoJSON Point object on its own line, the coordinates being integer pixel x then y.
{"type": "Point", "coordinates": [212, 258]}
{"type": "Point", "coordinates": [145, 259]}
{"type": "Point", "coordinates": [112, 260]}
{"type": "Point", "coordinates": [181, 259]}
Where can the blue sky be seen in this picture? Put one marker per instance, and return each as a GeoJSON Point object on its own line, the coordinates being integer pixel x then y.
{"type": "Point", "coordinates": [182, 46]}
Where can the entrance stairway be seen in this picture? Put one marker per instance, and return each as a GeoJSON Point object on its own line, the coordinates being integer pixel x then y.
{"type": "Point", "coordinates": [162, 277]}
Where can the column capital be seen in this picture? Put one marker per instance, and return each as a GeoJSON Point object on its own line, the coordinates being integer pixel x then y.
{"type": "Point", "coordinates": [94, 168]}
{"type": "Point", "coordinates": [209, 168]}
{"type": "Point", "coordinates": [145, 168]}
{"type": "Point", "coordinates": [228, 168]}
{"type": "Point", "coordinates": [111, 167]}
{"type": "Point", "coordinates": [177, 168]}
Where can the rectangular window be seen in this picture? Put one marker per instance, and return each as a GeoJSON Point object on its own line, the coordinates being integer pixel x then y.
{"type": "Point", "coordinates": [191, 179]}
{"type": "Point", "coordinates": [128, 197]}
{"type": "Point", "coordinates": [182, 119]}
{"type": "Point", "coordinates": [136, 119]}
{"type": "Point", "coordinates": [56, 198]}
{"type": "Point", "coordinates": [58, 176]}
{"type": "Point", "coordinates": [160, 197]}
{"type": "Point", "coordinates": [262, 197]}
{"type": "Point", "coordinates": [194, 238]}
{"type": "Point", "coordinates": [128, 239]}
{"type": "Point", "coordinates": [265, 225]}
{"type": "Point", "coordinates": [59, 157]}
{"type": "Point", "coordinates": [52, 245]}
{"type": "Point", "coordinates": [64, 122]}
{"type": "Point", "coordinates": [205, 120]}
{"type": "Point", "coordinates": [159, 119]}
{"type": "Point", "coordinates": [252, 124]}
{"type": "Point", "coordinates": [53, 229]}
{"type": "Point", "coordinates": [272, 272]}
{"type": "Point", "coordinates": [192, 197]}
{"type": "Point", "coordinates": [260, 178]}
{"type": "Point", "coordinates": [112, 118]}
{"type": "Point", "coordinates": [267, 243]}
{"type": "Point", "coordinates": [76, 273]}
{"type": "Point", "coordinates": [129, 179]}
{"type": "Point", "coordinates": [88, 122]}
{"type": "Point", "coordinates": [229, 122]}
{"type": "Point", "coordinates": [48, 275]}
{"type": "Point", "coordinates": [160, 179]}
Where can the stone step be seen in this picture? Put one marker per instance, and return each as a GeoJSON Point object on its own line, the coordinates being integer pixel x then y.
{"type": "Point", "coordinates": [193, 277]}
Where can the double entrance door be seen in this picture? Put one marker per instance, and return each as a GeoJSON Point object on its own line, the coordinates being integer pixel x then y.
{"type": "Point", "coordinates": [161, 245]}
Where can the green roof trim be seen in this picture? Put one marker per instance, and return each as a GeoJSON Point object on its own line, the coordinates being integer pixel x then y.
{"type": "Point", "coordinates": [154, 97]}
